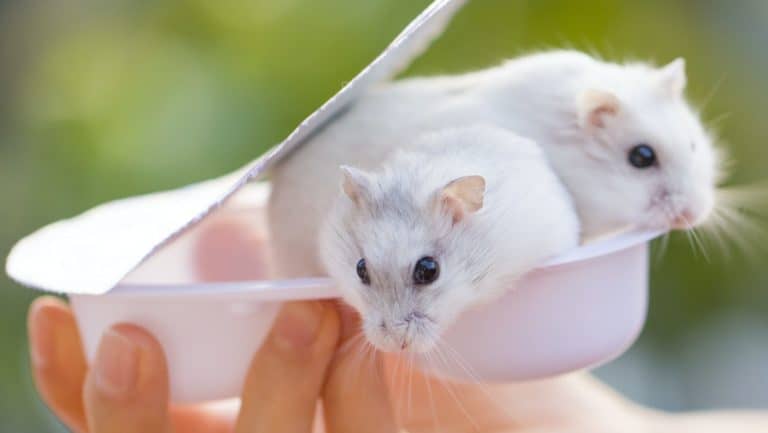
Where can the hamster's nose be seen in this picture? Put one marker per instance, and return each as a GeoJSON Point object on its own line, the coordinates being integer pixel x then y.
{"type": "Point", "coordinates": [415, 315]}
{"type": "Point", "coordinates": [684, 220]}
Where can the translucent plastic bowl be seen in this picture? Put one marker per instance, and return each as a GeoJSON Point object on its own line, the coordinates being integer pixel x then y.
{"type": "Point", "coordinates": [579, 310]}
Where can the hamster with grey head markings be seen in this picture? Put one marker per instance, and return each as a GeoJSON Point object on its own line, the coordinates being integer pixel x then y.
{"type": "Point", "coordinates": [623, 139]}
{"type": "Point", "coordinates": [445, 225]}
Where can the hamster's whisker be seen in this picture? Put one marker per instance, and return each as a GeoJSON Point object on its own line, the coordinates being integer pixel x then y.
{"type": "Point", "coordinates": [690, 235]}
{"type": "Point", "coordinates": [737, 223]}
{"type": "Point", "coordinates": [713, 229]}
{"type": "Point", "coordinates": [448, 388]}
{"type": "Point", "coordinates": [405, 388]}
{"type": "Point", "coordinates": [393, 376]}
{"type": "Point", "coordinates": [350, 344]}
{"type": "Point", "coordinates": [352, 341]}
{"type": "Point", "coordinates": [365, 347]}
{"type": "Point", "coordinates": [373, 357]}
{"type": "Point", "coordinates": [360, 357]}
{"type": "Point", "coordinates": [452, 354]}
{"type": "Point", "coordinates": [697, 239]}
{"type": "Point", "coordinates": [746, 201]}
{"type": "Point", "coordinates": [410, 382]}
{"type": "Point", "coordinates": [428, 381]}
{"type": "Point", "coordinates": [403, 367]}
{"type": "Point", "coordinates": [660, 248]}
{"type": "Point", "coordinates": [447, 384]}
{"type": "Point", "coordinates": [715, 122]}
{"type": "Point", "coordinates": [693, 240]}
{"type": "Point", "coordinates": [474, 377]}
{"type": "Point", "coordinates": [711, 94]}
{"type": "Point", "coordinates": [745, 232]}
{"type": "Point", "coordinates": [722, 221]}
{"type": "Point", "coordinates": [750, 198]}
{"type": "Point", "coordinates": [366, 357]}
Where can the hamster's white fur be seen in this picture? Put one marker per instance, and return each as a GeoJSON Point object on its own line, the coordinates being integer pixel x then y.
{"type": "Point", "coordinates": [519, 215]}
{"type": "Point", "coordinates": [585, 113]}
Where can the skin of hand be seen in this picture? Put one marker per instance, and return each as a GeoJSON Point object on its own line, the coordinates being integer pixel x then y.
{"type": "Point", "coordinates": [315, 352]}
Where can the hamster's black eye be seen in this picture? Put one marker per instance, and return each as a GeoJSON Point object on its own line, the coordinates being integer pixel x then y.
{"type": "Point", "coordinates": [426, 271]}
{"type": "Point", "coordinates": [362, 272]}
{"type": "Point", "coordinates": [642, 156]}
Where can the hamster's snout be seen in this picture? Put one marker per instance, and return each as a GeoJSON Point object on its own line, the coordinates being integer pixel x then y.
{"type": "Point", "coordinates": [416, 315]}
{"type": "Point", "coordinates": [694, 212]}
{"type": "Point", "coordinates": [415, 331]}
{"type": "Point", "coordinates": [689, 217]}
{"type": "Point", "coordinates": [683, 220]}
{"type": "Point", "coordinates": [684, 211]}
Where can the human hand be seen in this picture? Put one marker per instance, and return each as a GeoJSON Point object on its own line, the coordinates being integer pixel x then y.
{"type": "Point", "coordinates": [126, 388]}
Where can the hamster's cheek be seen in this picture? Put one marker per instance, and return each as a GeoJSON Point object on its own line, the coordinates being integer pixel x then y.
{"type": "Point", "coordinates": [448, 305]}
{"type": "Point", "coordinates": [703, 205]}
{"type": "Point", "coordinates": [637, 206]}
{"type": "Point", "coordinates": [352, 297]}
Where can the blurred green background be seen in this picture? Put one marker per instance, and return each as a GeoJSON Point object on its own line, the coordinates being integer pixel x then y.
{"type": "Point", "coordinates": [107, 98]}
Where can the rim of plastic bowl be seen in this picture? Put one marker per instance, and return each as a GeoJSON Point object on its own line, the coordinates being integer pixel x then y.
{"type": "Point", "coordinates": [323, 287]}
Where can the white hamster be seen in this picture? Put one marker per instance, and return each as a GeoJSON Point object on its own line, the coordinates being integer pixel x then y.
{"type": "Point", "coordinates": [445, 225]}
{"type": "Point", "coordinates": [627, 145]}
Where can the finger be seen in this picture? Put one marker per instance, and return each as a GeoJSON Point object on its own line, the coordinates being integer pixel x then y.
{"type": "Point", "coordinates": [287, 374]}
{"type": "Point", "coordinates": [126, 390]}
{"type": "Point", "coordinates": [229, 248]}
{"type": "Point", "coordinates": [59, 369]}
{"type": "Point", "coordinates": [58, 363]}
{"type": "Point", "coordinates": [355, 396]}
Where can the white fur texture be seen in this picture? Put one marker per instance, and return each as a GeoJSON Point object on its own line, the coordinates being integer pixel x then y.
{"type": "Point", "coordinates": [397, 215]}
{"type": "Point", "coordinates": [539, 97]}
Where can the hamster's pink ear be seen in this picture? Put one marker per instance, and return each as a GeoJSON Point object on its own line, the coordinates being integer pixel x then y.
{"type": "Point", "coordinates": [595, 106]}
{"type": "Point", "coordinates": [671, 78]}
{"type": "Point", "coordinates": [355, 183]}
{"type": "Point", "coordinates": [463, 196]}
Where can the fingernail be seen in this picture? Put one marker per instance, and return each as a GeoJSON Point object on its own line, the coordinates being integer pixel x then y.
{"type": "Point", "coordinates": [298, 324]}
{"type": "Point", "coordinates": [117, 364]}
{"type": "Point", "coordinates": [42, 339]}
